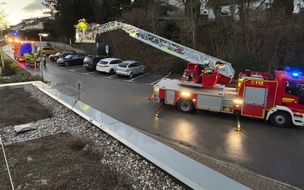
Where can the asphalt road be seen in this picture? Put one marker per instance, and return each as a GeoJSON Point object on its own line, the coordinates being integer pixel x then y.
{"type": "Point", "coordinates": [270, 151]}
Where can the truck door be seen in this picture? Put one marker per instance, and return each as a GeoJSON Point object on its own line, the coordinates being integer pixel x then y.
{"type": "Point", "coordinates": [301, 94]}
{"type": "Point", "coordinates": [254, 101]}
{"type": "Point", "coordinates": [294, 95]}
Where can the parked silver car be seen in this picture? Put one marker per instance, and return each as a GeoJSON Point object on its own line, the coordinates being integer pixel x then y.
{"type": "Point", "coordinates": [130, 68]}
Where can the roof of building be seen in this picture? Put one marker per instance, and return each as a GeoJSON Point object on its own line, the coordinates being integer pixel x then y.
{"type": "Point", "coordinates": [30, 24]}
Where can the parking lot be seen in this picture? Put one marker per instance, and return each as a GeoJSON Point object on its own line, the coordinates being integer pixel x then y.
{"type": "Point", "coordinates": [147, 78]}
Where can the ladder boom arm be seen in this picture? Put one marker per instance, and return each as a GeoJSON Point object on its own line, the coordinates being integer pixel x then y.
{"type": "Point", "coordinates": [168, 46]}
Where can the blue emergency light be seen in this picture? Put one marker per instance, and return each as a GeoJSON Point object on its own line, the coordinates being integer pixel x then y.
{"type": "Point", "coordinates": [295, 74]}
{"type": "Point", "coordinates": [15, 33]}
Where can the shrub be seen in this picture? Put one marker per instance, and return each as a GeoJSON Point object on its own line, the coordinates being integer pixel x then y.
{"type": "Point", "coordinates": [12, 162]}
{"type": "Point", "coordinates": [86, 47]}
{"type": "Point", "coordinates": [243, 60]}
{"type": "Point", "coordinates": [14, 73]}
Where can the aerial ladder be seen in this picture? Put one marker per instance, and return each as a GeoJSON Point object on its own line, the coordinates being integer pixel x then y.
{"type": "Point", "coordinates": [223, 70]}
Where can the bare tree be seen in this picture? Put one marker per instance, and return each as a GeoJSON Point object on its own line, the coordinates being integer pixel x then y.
{"type": "Point", "coordinates": [3, 17]}
{"type": "Point", "coordinates": [192, 11]}
{"type": "Point", "coordinates": [97, 11]}
{"type": "Point", "coordinates": [145, 18]}
{"type": "Point", "coordinates": [3, 25]}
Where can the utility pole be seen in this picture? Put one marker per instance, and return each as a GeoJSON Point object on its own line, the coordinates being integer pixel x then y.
{"type": "Point", "coordinates": [193, 27]}
{"type": "Point", "coordinates": [40, 51]}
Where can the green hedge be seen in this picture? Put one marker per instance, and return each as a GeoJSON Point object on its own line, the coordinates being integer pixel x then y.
{"type": "Point", "coordinates": [13, 73]}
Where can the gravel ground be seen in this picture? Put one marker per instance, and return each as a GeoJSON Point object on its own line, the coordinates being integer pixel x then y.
{"type": "Point", "coordinates": [142, 173]}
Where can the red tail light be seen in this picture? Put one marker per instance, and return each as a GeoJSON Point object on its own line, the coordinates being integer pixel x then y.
{"type": "Point", "coordinates": [90, 63]}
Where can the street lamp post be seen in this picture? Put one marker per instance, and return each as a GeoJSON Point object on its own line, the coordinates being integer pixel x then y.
{"type": "Point", "coordinates": [1, 53]}
{"type": "Point", "coordinates": [40, 50]}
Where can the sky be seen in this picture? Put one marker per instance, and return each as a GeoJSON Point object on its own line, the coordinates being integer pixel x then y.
{"type": "Point", "coordinates": [16, 10]}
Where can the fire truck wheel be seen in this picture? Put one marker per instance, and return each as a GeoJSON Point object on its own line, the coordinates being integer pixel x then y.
{"type": "Point", "coordinates": [280, 119]}
{"type": "Point", "coordinates": [185, 105]}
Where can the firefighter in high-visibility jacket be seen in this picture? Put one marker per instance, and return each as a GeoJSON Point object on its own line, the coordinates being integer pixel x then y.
{"type": "Point", "coordinates": [208, 70]}
{"type": "Point", "coordinates": [81, 29]}
{"type": "Point", "coordinates": [27, 57]}
{"type": "Point", "coordinates": [32, 60]}
{"type": "Point", "coordinates": [35, 54]}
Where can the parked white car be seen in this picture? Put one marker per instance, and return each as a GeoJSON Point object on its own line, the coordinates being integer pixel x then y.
{"type": "Point", "coordinates": [108, 65]}
{"type": "Point", "coordinates": [130, 68]}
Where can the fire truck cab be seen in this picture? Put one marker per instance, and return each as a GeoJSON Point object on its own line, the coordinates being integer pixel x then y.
{"type": "Point", "coordinates": [278, 98]}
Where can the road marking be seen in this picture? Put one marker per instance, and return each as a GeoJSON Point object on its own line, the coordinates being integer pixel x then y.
{"type": "Point", "coordinates": [111, 76]}
{"type": "Point", "coordinates": [88, 73]}
{"type": "Point", "coordinates": [75, 69]}
{"type": "Point", "coordinates": [132, 80]}
{"type": "Point", "coordinates": [108, 77]}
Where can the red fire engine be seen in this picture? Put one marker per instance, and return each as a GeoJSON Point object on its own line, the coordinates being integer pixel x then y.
{"type": "Point", "coordinates": [22, 47]}
{"type": "Point", "coordinates": [278, 98]}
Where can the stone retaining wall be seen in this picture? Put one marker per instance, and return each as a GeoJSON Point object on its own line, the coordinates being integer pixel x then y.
{"type": "Point", "coordinates": [62, 46]}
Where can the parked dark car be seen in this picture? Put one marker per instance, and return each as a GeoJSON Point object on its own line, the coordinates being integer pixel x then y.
{"type": "Point", "coordinates": [72, 59]}
{"type": "Point", "coordinates": [60, 54]}
{"type": "Point", "coordinates": [90, 61]}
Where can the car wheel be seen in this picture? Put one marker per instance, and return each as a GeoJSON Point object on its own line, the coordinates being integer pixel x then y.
{"type": "Point", "coordinates": [112, 72]}
{"type": "Point", "coordinates": [185, 105]}
{"type": "Point", "coordinates": [143, 71]}
{"type": "Point", "coordinates": [280, 119]}
{"type": "Point", "coordinates": [131, 75]}
{"type": "Point", "coordinates": [67, 64]}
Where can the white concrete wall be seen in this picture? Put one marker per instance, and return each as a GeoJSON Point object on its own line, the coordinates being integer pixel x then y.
{"type": "Point", "coordinates": [297, 5]}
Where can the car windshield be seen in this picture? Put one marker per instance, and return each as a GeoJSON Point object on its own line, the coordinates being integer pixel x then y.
{"type": "Point", "coordinates": [294, 88]}
{"type": "Point", "coordinates": [123, 64]}
{"type": "Point", "coordinates": [103, 62]}
{"type": "Point", "coordinates": [88, 59]}
{"type": "Point", "coordinates": [68, 56]}
{"type": "Point", "coordinates": [43, 48]}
